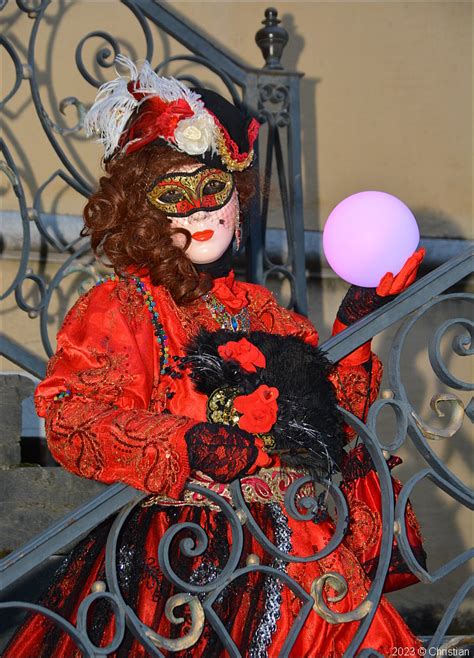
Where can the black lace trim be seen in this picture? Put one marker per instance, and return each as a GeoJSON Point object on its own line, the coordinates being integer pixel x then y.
{"type": "Point", "coordinates": [358, 463]}
{"type": "Point", "coordinates": [223, 453]}
{"type": "Point", "coordinates": [359, 302]}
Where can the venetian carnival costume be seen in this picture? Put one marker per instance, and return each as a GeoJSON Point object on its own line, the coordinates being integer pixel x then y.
{"type": "Point", "coordinates": [127, 398]}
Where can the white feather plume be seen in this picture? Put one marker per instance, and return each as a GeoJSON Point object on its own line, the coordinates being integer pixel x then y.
{"type": "Point", "coordinates": [111, 109]}
{"type": "Point", "coordinates": [169, 89]}
{"type": "Point", "coordinates": [114, 104]}
{"type": "Point", "coordinates": [127, 63]}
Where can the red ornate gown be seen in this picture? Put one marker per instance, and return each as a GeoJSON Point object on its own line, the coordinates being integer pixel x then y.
{"type": "Point", "coordinates": [113, 416]}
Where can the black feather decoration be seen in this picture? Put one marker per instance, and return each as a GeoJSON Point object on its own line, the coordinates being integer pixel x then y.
{"type": "Point", "coordinates": [308, 431]}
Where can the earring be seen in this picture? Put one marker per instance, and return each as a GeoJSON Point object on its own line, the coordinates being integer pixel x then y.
{"type": "Point", "coordinates": [237, 232]}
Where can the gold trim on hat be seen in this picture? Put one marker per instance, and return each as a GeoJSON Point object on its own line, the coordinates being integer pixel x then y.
{"type": "Point", "coordinates": [226, 155]}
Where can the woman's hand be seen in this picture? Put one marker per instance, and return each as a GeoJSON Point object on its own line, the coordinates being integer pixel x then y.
{"type": "Point", "coordinates": [224, 453]}
{"type": "Point", "coordinates": [394, 285]}
{"type": "Point", "coordinates": [359, 301]}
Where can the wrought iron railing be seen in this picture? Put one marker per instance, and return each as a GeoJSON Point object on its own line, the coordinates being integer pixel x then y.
{"type": "Point", "coordinates": [274, 95]}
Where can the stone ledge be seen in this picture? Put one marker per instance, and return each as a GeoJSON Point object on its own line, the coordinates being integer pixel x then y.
{"type": "Point", "coordinates": [32, 498]}
{"type": "Point", "coordinates": [14, 388]}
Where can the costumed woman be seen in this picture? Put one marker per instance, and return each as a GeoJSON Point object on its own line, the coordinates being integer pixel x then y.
{"type": "Point", "coordinates": [171, 371]}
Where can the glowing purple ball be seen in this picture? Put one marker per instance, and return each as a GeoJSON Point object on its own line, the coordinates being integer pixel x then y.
{"type": "Point", "coordinates": [367, 235]}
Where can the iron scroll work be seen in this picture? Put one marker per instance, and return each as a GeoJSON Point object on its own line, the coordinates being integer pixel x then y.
{"type": "Point", "coordinates": [273, 94]}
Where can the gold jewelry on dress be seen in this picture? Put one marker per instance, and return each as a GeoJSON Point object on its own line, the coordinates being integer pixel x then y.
{"type": "Point", "coordinates": [238, 322]}
{"type": "Point", "coordinates": [268, 442]}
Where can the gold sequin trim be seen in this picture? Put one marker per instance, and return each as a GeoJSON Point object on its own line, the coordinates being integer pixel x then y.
{"type": "Point", "coordinates": [226, 155]}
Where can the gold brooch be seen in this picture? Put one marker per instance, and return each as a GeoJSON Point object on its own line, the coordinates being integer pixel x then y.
{"type": "Point", "coordinates": [220, 409]}
{"type": "Point", "coordinates": [220, 406]}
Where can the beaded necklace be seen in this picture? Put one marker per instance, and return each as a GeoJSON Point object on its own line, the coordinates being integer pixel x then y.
{"type": "Point", "coordinates": [158, 330]}
{"type": "Point", "coordinates": [238, 322]}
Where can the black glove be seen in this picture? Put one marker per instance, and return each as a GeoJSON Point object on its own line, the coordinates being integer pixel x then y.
{"type": "Point", "coordinates": [222, 452]}
{"type": "Point", "coordinates": [358, 303]}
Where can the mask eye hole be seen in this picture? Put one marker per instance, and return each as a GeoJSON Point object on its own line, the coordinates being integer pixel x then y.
{"type": "Point", "coordinates": [213, 187]}
{"type": "Point", "coordinates": [171, 196]}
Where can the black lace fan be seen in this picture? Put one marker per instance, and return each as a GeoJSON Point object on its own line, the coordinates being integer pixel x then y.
{"type": "Point", "coordinates": [308, 429]}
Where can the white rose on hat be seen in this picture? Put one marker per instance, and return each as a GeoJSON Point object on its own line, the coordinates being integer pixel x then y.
{"type": "Point", "coordinates": [195, 135]}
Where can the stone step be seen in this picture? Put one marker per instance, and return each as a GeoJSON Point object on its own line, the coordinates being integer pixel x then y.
{"type": "Point", "coordinates": [14, 389]}
{"type": "Point", "coordinates": [32, 498]}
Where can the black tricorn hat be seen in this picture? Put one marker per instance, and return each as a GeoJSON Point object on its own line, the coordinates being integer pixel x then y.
{"type": "Point", "coordinates": [238, 132]}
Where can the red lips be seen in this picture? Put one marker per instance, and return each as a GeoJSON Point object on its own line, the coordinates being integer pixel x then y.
{"type": "Point", "coordinates": [202, 236]}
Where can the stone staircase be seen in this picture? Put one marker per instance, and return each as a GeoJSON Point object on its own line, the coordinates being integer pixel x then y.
{"type": "Point", "coordinates": [34, 492]}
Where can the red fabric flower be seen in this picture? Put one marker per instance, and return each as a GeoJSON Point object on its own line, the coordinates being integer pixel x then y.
{"type": "Point", "coordinates": [155, 118]}
{"type": "Point", "coordinates": [259, 409]}
{"type": "Point", "coordinates": [244, 352]}
{"type": "Point", "coordinates": [230, 293]}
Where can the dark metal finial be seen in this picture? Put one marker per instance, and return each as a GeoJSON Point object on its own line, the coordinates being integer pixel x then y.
{"type": "Point", "coordinates": [272, 39]}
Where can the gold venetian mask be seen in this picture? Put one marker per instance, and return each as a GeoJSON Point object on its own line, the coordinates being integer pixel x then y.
{"type": "Point", "coordinates": [180, 194]}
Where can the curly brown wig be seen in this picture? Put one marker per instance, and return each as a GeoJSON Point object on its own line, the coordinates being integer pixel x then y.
{"type": "Point", "coordinates": [129, 231]}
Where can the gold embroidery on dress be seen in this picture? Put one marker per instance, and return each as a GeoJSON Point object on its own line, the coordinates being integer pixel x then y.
{"type": "Point", "coordinates": [130, 301]}
{"type": "Point", "coordinates": [137, 440]}
{"type": "Point", "coordinates": [364, 526]}
{"type": "Point", "coordinates": [268, 486]}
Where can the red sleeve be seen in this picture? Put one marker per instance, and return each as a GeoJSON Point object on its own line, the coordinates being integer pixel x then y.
{"type": "Point", "coordinates": [356, 380]}
{"type": "Point", "coordinates": [356, 388]}
{"type": "Point", "coordinates": [97, 391]}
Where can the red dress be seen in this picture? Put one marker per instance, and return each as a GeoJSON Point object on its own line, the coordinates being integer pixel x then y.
{"type": "Point", "coordinates": [113, 416]}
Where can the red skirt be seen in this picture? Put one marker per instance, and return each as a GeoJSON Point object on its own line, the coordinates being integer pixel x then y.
{"type": "Point", "coordinates": [257, 610]}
